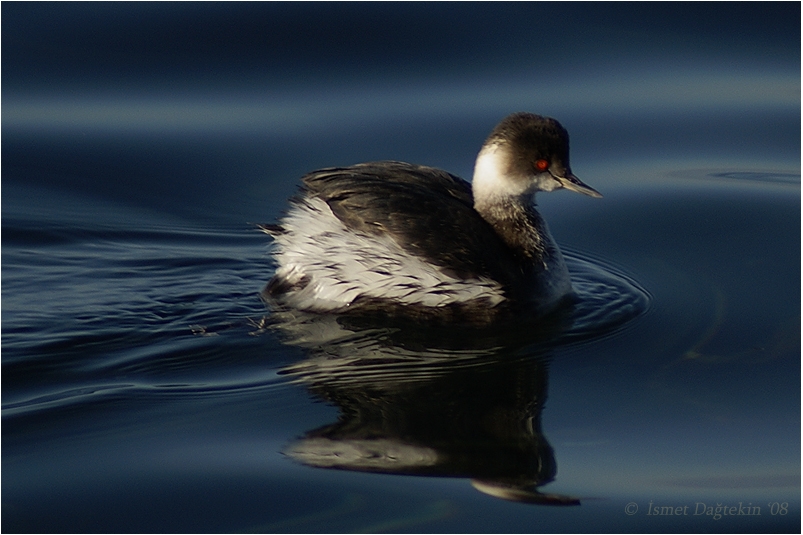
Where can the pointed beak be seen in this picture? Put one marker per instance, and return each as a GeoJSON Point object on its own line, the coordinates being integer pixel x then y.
{"type": "Point", "coordinates": [573, 183]}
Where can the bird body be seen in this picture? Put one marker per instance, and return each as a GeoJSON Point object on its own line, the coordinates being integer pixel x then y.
{"type": "Point", "coordinates": [395, 236]}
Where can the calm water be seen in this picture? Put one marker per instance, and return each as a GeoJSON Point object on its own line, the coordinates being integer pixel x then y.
{"type": "Point", "coordinates": [145, 386]}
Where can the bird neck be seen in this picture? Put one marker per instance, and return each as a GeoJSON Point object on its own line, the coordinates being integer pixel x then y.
{"type": "Point", "coordinates": [518, 224]}
{"type": "Point", "coordinates": [506, 203]}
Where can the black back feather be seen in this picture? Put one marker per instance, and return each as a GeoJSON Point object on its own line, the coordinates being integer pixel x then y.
{"type": "Point", "coordinates": [428, 212]}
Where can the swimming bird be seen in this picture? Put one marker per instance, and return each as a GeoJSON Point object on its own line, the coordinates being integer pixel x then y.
{"type": "Point", "coordinates": [402, 238]}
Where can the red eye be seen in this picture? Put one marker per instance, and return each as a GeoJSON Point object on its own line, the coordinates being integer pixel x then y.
{"type": "Point", "coordinates": [541, 165]}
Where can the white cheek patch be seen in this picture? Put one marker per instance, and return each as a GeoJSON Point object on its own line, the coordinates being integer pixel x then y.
{"type": "Point", "coordinates": [342, 265]}
{"type": "Point", "coordinates": [490, 181]}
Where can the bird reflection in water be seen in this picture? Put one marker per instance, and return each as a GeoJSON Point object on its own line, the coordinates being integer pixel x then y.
{"type": "Point", "coordinates": [428, 401]}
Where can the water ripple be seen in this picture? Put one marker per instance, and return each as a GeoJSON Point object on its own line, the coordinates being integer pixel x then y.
{"type": "Point", "coordinates": [783, 178]}
{"type": "Point", "coordinates": [173, 316]}
{"type": "Point", "coordinates": [607, 297]}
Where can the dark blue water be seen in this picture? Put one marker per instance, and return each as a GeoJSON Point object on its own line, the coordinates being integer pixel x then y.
{"type": "Point", "coordinates": [147, 388]}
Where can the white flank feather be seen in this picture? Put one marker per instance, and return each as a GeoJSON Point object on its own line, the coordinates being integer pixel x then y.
{"type": "Point", "coordinates": [342, 265]}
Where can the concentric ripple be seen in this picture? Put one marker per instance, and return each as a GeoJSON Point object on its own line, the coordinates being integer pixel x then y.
{"type": "Point", "coordinates": [607, 298]}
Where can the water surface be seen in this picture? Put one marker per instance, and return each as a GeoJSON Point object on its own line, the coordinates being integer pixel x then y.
{"type": "Point", "coordinates": [146, 387]}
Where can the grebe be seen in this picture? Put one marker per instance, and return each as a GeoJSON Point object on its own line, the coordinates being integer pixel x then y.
{"type": "Point", "coordinates": [406, 238]}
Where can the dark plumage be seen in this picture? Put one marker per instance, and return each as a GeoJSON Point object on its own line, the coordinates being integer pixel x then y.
{"type": "Point", "coordinates": [429, 212]}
